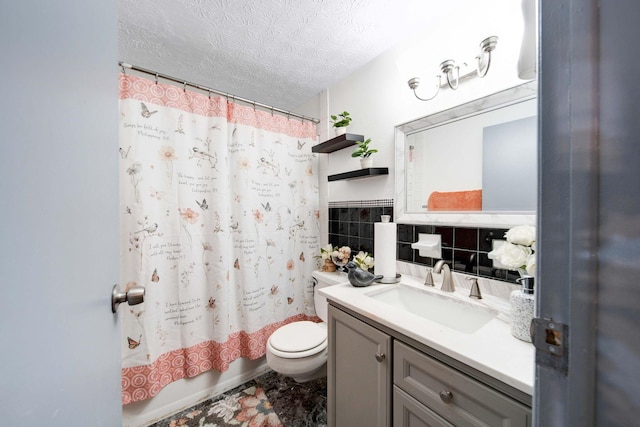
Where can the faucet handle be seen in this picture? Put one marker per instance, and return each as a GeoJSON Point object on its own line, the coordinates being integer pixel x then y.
{"type": "Point", "coordinates": [428, 281]}
{"type": "Point", "coordinates": [475, 289]}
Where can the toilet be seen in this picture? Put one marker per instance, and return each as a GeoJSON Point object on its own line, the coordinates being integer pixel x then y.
{"type": "Point", "coordinates": [299, 349]}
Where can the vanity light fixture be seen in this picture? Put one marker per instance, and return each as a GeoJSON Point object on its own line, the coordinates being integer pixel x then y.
{"type": "Point", "coordinates": [447, 67]}
{"type": "Point", "coordinates": [451, 71]}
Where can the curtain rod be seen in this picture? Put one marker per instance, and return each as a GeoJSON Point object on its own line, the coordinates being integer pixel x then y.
{"type": "Point", "coordinates": [208, 89]}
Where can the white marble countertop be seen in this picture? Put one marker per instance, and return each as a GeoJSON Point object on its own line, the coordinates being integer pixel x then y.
{"type": "Point", "coordinates": [491, 349]}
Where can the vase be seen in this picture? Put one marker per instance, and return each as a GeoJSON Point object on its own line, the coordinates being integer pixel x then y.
{"type": "Point", "coordinates": [328, 266]}
{"type": "Point", "coordinates": [339, 262]}
{"type": "Point", "coordinates": [366, 162]}
{"type": "Point", "coordinates": [341, 130]}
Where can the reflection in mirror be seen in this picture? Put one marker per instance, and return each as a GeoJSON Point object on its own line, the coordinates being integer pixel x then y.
{"type": "Point", "coordinates": [509, 164]}
{"type": "Point", "coordinates": [473, 164]}
{"type": "Point", "coordinates": [486, 161]}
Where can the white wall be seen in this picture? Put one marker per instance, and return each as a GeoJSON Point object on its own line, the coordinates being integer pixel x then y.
{"type": "Point", "coordinates": [378, 97]}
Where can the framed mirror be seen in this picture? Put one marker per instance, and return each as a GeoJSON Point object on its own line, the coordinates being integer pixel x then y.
{"type": "Point", "coordinates": [474, 164]}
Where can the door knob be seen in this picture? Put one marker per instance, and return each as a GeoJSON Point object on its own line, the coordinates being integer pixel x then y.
{"type": "Point", "coordinates": [133, 296]}
{"type": "Point", "coordinates": [380, 357]}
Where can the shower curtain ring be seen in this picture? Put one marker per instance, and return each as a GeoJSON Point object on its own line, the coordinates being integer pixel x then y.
{"type": "Point", "coordinates": [271, 111]}
{"type": "Point", "coordinates": [184, 86]}
{"type": "Point", "coordinates": [123, 70]}
{"type": "Point", "coordinates": [156, 78]}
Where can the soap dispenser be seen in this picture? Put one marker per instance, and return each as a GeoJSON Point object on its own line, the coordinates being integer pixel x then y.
{"type": "Point", "coordinates": [522, 307]}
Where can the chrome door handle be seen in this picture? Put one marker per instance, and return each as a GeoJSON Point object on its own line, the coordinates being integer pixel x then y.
{"type": "Point", "coordinates": [133, 296]}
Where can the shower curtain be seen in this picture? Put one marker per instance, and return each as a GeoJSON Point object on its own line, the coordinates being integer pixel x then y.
{"type": "Point", "coordinates": [219, 222]}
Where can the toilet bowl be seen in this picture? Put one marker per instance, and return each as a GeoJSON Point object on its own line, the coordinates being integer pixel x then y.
{"type": "Point", "coordinates": [299, 349]}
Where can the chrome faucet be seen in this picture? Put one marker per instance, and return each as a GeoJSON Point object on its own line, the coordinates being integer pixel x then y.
{"type": "Point", "coordinates": [447, 282]}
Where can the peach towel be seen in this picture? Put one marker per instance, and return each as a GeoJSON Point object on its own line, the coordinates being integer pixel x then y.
{"type": "Point", "coordinates": [470, 200]}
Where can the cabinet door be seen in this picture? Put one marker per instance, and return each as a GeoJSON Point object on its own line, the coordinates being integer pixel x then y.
{"type": "Point", "coordinates": [454, 396]}
{"type": "Point", "coordinates": [358, 373]}
{"type": "Point", "coordinates": [408, 412]}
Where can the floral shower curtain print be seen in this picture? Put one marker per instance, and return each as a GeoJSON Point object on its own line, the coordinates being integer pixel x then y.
{"type": "Point", "coordinates": [219, 222]}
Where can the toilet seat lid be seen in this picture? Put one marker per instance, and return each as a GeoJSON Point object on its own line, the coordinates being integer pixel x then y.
{"type": "Point", "coordinates": [298, 336]}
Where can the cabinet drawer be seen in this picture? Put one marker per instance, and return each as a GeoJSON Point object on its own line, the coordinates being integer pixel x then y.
{"type": "Point", "coordinates": [408, 412]}
{"type": "Point", "coordinates": [457, 398]}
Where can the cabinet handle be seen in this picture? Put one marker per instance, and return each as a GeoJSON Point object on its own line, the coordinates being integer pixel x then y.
{"type": "Point", "coordinates": [446, 396]}
{"type": "Point", "coordinates": [380, 357]}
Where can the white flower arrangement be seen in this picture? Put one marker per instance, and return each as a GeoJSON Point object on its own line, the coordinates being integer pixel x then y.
{"type": "Point", "coordinates": [363, 260]}
{"type": "Point", "coordinates": [518, 252]}
{"type": "Point", "coordinates": [326, 251]}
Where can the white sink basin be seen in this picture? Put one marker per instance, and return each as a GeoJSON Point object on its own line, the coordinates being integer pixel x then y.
{"type": "Point", "coordinates": [447, 311]}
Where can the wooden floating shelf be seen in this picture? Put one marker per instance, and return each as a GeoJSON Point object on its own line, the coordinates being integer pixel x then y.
{"type": "Point", "coordinates": [360, 173]}
{"type": "Point", "coordinates": [337, 143]}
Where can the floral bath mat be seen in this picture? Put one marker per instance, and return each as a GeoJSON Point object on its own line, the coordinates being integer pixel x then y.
{"type": "Point", "coordinates": [249, 407]}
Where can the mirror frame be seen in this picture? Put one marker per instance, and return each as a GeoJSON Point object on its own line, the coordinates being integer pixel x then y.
{"type": "Point", "coordinates": [495, 219]}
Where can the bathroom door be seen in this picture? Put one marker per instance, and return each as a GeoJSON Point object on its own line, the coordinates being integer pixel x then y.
{"type": "Point", "coordinates": [60, 343]}
{"type": "Point", "coordinates": [589, 213]}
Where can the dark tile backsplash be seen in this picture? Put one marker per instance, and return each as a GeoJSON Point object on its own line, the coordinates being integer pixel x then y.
{"type": "Point", "coordinates": [465, 247]}
{"type": "Point", "coordinates": [353, 225]}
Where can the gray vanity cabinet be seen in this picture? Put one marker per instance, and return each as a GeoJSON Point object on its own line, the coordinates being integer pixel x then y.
{"type": "Point", "coordinates": [376, 379]}
{"type": "Point", "coordinates": [358, 373]}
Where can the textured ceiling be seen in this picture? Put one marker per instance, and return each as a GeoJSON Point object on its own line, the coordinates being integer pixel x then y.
{"type": "Point", "coordinates": [277, 52]}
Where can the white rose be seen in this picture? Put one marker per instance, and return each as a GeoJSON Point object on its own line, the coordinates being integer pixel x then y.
{"type": "Point", "coordinates": [521, 235]}
{"type": "Point", "coordinates": [511, 255]}
{"type": "Point", "coordinates": [531, 265]}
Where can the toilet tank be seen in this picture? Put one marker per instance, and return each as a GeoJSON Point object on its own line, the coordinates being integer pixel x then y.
{"type": "Point", "coordinates": [321, 280]}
